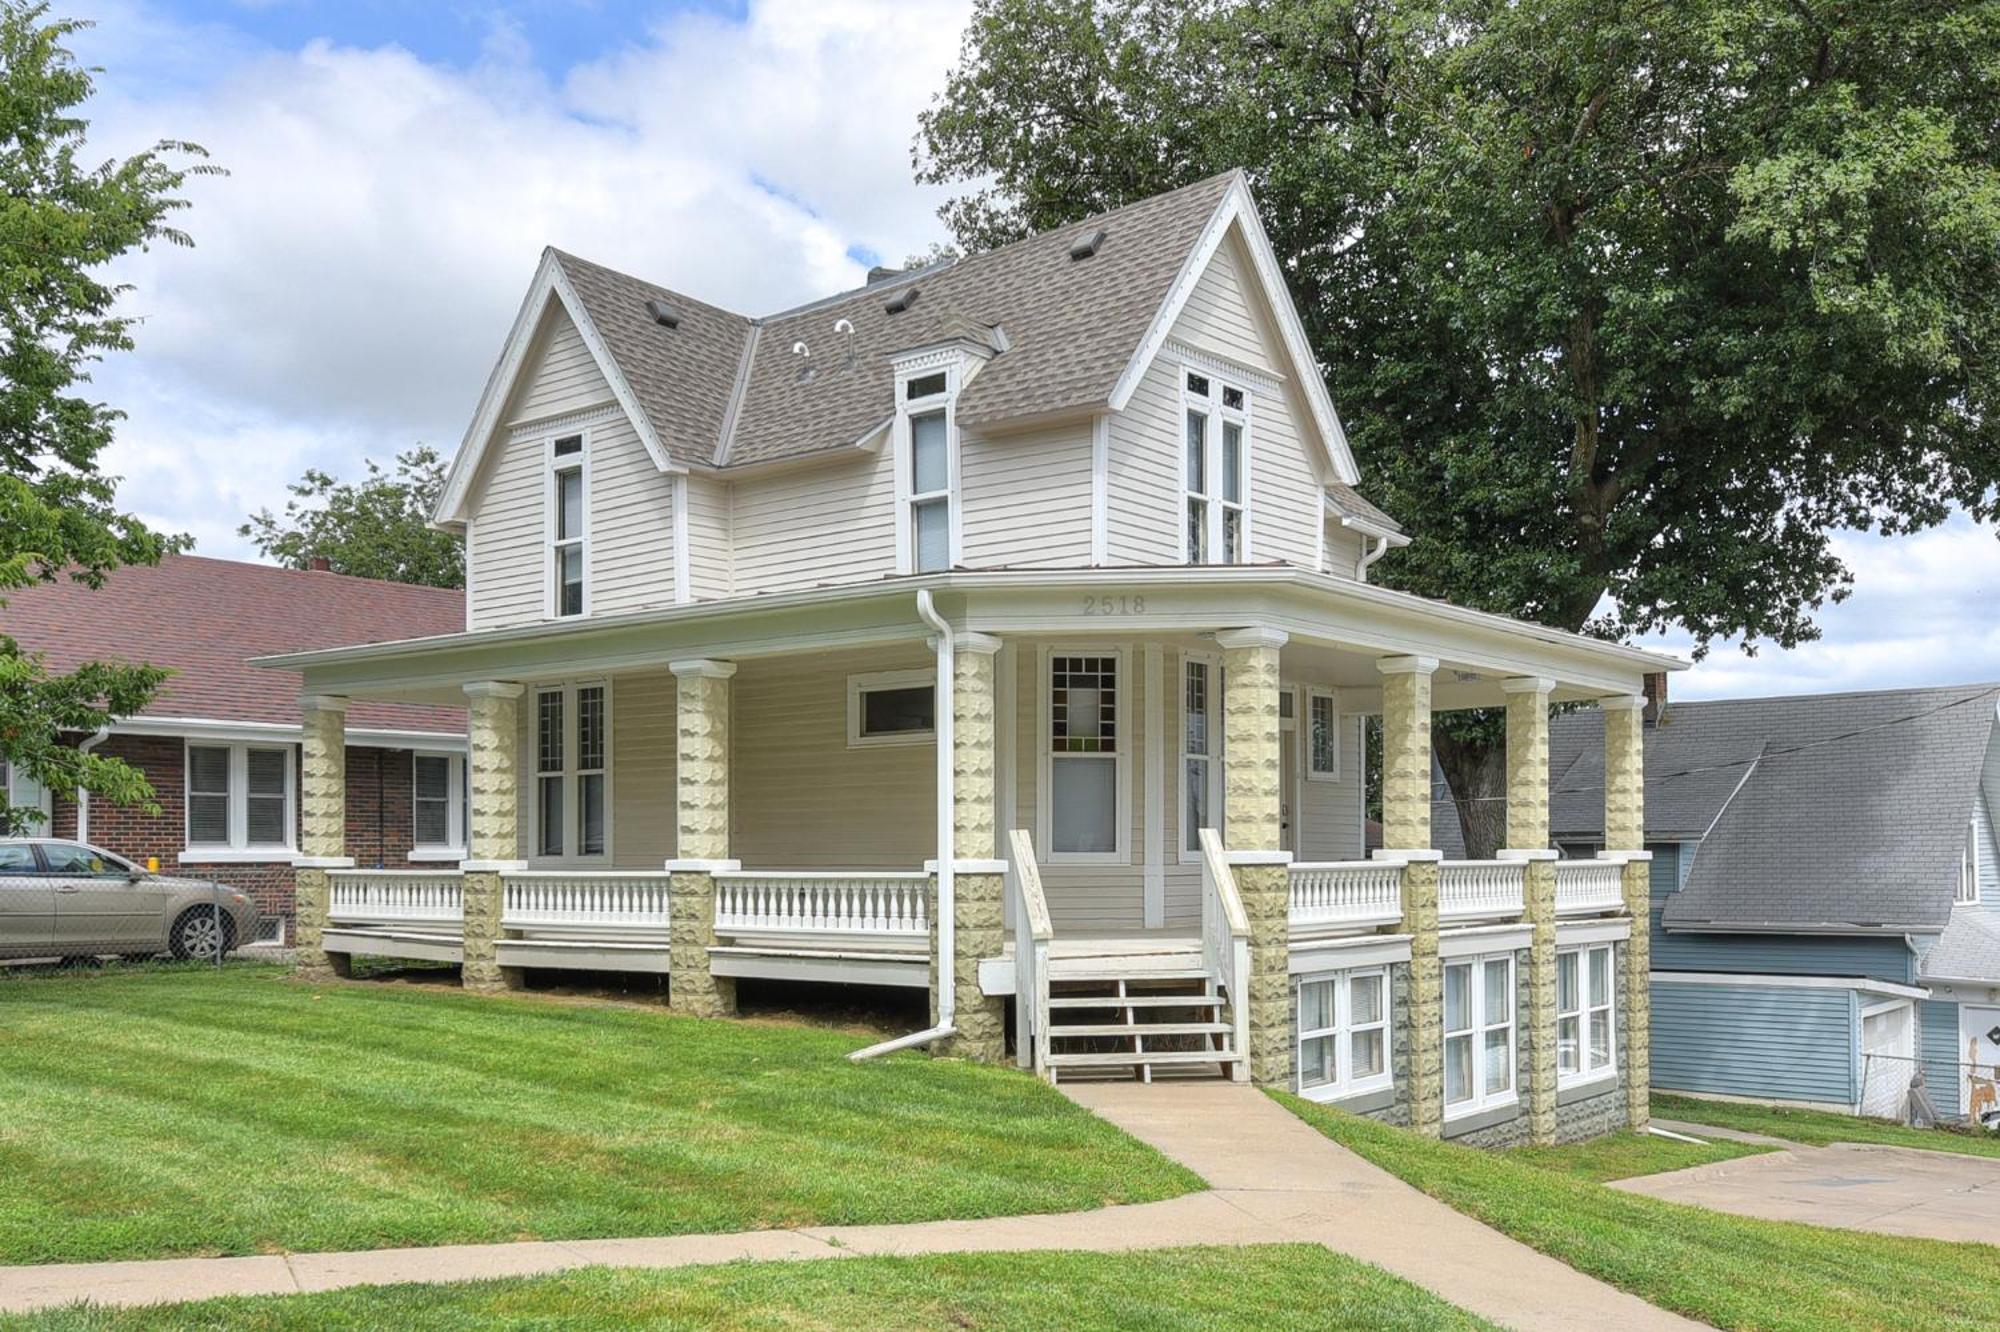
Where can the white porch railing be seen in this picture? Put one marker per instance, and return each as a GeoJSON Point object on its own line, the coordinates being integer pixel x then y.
{"type": "Point", "coordinates": [1481, 889]}
{"type": "Point", "coordinates": [1225, 941]}
{"type": "Point", "coordinates": [874, 902]}
{"type": "Point", "coordinates": [367, 896]}
{"type": "Point", "coordinates": [599, 900]}
{"type": "Point", "coordinates": [1033, 934]}
{"type": "Point", "coordinates": [1589, 887]}
{"type": "Point", "coordinates": [1346, 892]}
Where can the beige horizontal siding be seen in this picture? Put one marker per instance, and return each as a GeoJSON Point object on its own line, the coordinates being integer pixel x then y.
{"type": "Point", "coordinates": [1222, 315]}
{"type": "Point", "coordinates": [711, 561]}
{"type": "Point", "coordinates": [1026, 497]}
{"type": "Point", "coordinates": [643, 816]}
{"type": "Point", "coordinates": [1144, 514]}
{"type": "Point", "coordinates": [631, 564]}
{"type": "Point", "coordinates": [562, 375]}
{"type": "Point", "coordinates": [830, 523]}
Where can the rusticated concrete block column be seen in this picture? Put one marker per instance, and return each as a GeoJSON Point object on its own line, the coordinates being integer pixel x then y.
{"type": "Point", "coordinates": [1625, 830]}
{"type": "Point", "coordinates": [1528, 839]}
{"type": "Point", "coordinates": [1406, 831]}
{"type": "Point", "coordinates": [978, 881]}
{"type": "Point", "coordinates": [1253, 818]}
{"type": "Point", "coordinates": [702, 846]}
{"type": "Point", "coordinates": [322, 829]}
{"type": "Point", "coordinates": [493, 711]}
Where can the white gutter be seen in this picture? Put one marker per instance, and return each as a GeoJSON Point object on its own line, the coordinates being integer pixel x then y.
{"type": "Point", "coordinates": [83, 792]}
{"type": "Point", "coordinates": [947, 848]}
{"type": "Point", "coordinates": [1369, 557]}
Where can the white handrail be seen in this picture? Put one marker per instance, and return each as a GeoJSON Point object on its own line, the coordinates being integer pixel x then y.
{"type": "Point", "coordinates": [1585, 887]}
{"type": "Point", "coordinates": [823, 902]}
{"type": "Point", "coordinates": [396, 895]}
{"type": "Point", "coordinates": [1033, 933]}
{"type": "Point", "coordinates": [1225, 941]}
{"type": "Point", "coordinates": [1481, 888]}
{"type": "Point", "coordinates": [598, 899]}
{"type": "Point", "coordinates": [1346, 892]}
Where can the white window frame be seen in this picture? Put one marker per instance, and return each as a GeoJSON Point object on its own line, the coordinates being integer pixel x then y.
{"type": "Point", "coordinates": [453, 847]}
{"type": "Point", "coordinates": [238, 847]}
{"type": "Point", "coordinates": [1210, 405]}
{"type": "Point", "coordinates": [1342, 1033]}
{"type": "Point", "coordinates": [1127, 721]}
{"type": "Point", "coordinates": [903, 449]}
{"type": "Point", "coordinates": [1214, 757]}
{"type": "Point", "coordinates": [1587, 1015]}
{"type": "Point", "coordinates": [552, 466]}
{"type": "Point", "coordinates": [1481, 1099]}
{"type": "Point", "coordinates": [859, 685]}
{"type": "Point", "coordinates": [1314, 773]}
{"type": "Point", "coordinates": [570, 773]}
{"type": "Point", "coordinates": [1968, 869]}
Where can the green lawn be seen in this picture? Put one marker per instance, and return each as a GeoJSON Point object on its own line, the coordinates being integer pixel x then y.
{"type": "Point", "coordinates": [162, 1113]}
{"type": "Point", "coordinates": [1820, 1127]}
{"type": "Point", "coordinates": [1273, 1286]}
{"type": "Point", "coordinates": [1626, 1155]}
{"type": "Point", "coordinates": [1733, 1272]}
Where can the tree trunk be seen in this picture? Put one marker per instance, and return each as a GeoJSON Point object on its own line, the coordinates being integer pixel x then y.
{"type": "Point", "coordinates": [1475, 767]}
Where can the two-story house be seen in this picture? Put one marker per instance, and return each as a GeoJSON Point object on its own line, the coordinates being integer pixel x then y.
{"type": "Point", "coordinates": [1002, 628]}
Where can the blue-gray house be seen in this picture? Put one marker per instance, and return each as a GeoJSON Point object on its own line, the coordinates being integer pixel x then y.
{"type": "Point", "coordinates": [1826, 892]}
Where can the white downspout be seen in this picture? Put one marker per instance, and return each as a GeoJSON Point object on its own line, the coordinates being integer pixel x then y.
{"type": "Point", "coordinates": [947, 848]}
{"type": "Point", "coordinates": [83, 793]}
{"type": "Point", "coordinates": [1369, 557]}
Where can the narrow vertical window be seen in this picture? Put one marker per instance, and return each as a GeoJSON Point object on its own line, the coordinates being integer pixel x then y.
{"type": "Point", "coordinates": [1214, 471]}
{"type": "Point", "coordinates": [208, 795]}
{"type": "Point", "coordinates": [267, 797]}
{"type": "Point", "coordinates": [549, 773]}
{"type": "Point", "coordinates": [1478, 1033]}
{"type": "Point", "coordinates": [928, 473]}
{"type": "Point", "coordinates": [1197, 483]}
{"type": "Point", "coordinates": [437, 800]}
{"type": "Point", "coordinates": [1084, 755]}
{"type": "Point", "coordinates": [1585, 1033]}
{"type": "Point", "coordinates": [590, 767]}
{"type": "Point", "coordinates": [567, 520]}
{"type": "Point", "coordinates": [1201, 743]}
{"type": "Point", "coordinates": [1322, 736]}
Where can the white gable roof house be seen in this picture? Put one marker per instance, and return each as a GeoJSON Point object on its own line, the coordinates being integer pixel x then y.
{"type": "Point", "coordinates": [1002, 628]}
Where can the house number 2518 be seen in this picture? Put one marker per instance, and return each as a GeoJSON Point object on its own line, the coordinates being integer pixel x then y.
{"type": "Point", "coordinates": [1118, 605]}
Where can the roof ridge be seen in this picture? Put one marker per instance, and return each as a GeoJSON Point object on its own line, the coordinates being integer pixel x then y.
{"type": "Point", "coordinates": [266, 567]}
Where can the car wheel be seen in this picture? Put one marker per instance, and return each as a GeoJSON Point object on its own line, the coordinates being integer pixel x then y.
{"type": "Point", "coordinates": [200, 932]}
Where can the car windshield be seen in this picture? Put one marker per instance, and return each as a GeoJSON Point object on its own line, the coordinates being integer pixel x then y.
{"type": "Point", "coordinates": [76, 858]}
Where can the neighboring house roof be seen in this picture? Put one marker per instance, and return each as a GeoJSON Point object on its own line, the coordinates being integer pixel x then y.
{"type": "Point", "coordinates": [1820, 812]}
{"type": "Point", "coordinates": [205, 618]}
{"type": "Point", "coordinates": [1969, 948]}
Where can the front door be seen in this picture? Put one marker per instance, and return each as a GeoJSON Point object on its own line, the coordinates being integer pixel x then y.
{"type": "Point", "coordinates": [27, 903]}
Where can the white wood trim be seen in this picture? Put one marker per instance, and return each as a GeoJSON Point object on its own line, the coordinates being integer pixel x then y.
{"type": "Point", "coordinates": [454, 845]}
{"type": "Point", "coordinates": [1306, 734]}
{"type": "Point", "coordinates": [467, 554]}
{"type": "Point", "coordinates": [857, 685]}
{"type": "Point", "coordinates": [238, 848]}
{"type": "Point", "coordinates": [1592, 931]}
{"type": "Point", "coordinates": [551, 569]}
{"type": "Point", "coordinates": [1360, 950]}
{"type": "Point", "coordinates": [531, 775]}
{"type": "Point", "coordinates": [1006, 715]}
{"type": "Point", "coordinates": [1584, 1076]}
{"type": "Point", "coordinates": [1483, 939]}
{"type": "Point", "coordinates": [1155, 879]}
{"type": "Point", "coordinates": [1100, 489]}
{"type": "Point", "coordinates": [1216, 757]}
{"type": "Point", "coordinates": [1210, 363]}
{"type": "Point", "coordinates": [1771, 982]}
{"type": "Point", "coordinates": [952, 366]}
{"type": "Point", "coordinates": [1342, 1031]}
{"type": "Point", "coordinates": [1121, 757]}
{"type": "Point", "coordinates": [1481, 1099]}
{"type": "Point", "coordinates": [683, 553]}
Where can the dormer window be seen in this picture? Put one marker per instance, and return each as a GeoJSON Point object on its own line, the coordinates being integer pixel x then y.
{"type": "Point", "coordinates": [566, 502]}
{"type": "Point", "coordinates": [1216, 458]}
{"type": "Point", "coordinates": [927, 472]}
{"type": "Point", "coordinates": [1968, 870]}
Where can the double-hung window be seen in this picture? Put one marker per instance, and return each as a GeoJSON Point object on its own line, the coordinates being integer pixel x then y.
{"type": "Point", "coordinates": [1584, 1035]}
{"type": "Point", "coordinates": [572, 770]}
{"type": "Point", "coordinates": [1478, 1033]}
{"type": "Point", "coordinates": [1215, 461]}
{"type": "Point", "coordinates": [929, 472]}
{"type": "Point", "coordinates": [1201, 752]}
{"type": "Point", "coordinates": [1085, 787]}
{"type": "Point", "coordinates": [437, 801]}
{"type": "Point", "coordinates": [240, 800]}
{"type": "Point", "coordinates": [1344, 1034]}
{"type": "Point", "coordinates": [566, 521]}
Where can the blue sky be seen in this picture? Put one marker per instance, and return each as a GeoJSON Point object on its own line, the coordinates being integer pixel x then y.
{"type": "Point", "coordinates": [396, 168]}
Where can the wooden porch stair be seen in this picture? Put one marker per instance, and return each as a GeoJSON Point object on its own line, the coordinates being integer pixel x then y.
{"type": "Point", "coordinates": [1113, 1021]}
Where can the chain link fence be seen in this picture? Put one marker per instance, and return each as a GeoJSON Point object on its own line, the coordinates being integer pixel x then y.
{"type": "Point", "coordinates": [67, 905]}
{"type": "Point", "coordinates": [1928, 1092]}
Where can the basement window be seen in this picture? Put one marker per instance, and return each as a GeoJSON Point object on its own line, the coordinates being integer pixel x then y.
{"type": "Point", "coordinates": [1343, 1024]}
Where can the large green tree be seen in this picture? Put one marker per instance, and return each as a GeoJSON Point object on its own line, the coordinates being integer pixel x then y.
{"type": "Point", "coordinates": [61, 223]}
{"type": "Point", "coordinates": [377, 527]}
{"type": "Point", "coordinates": [1628, 307]}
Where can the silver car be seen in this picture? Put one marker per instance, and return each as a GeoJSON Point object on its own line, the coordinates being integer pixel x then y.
{"type": "Point", "coordinates": [68, 899]}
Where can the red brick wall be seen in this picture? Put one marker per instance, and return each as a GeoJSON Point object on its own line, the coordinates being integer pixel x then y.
{"type": "Point", "coordinates": [379, 831]}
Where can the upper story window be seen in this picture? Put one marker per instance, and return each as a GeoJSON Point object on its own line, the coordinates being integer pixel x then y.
{"type": "Point", "coordinates": [1214, 467]}
{"type": "Point", "coordinates": [240, 799]}
{"type": "Point", "coordinates": [927, 472]}
{"type": "Point", "coordinates": [567, 523]}
{"type": "Point", "coordinates": [572, 771]}
{"type": "Point", "coordinates": [1968, 869]}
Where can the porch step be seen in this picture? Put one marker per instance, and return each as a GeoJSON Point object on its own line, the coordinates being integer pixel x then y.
{"type": "Point", "coordinates": [1060, 1032]}
{"type": "Point", "coordinates": [1203, 1000]}
{"type": "Point", "coordinates": [1127, 1059]}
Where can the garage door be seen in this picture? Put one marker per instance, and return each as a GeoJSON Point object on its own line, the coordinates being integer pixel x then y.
{"type": "Point", "coordinates": [1888, 1058]}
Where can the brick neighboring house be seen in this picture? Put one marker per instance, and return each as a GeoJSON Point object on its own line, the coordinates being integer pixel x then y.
{"type": "Point", "coordinates": [220, 742]}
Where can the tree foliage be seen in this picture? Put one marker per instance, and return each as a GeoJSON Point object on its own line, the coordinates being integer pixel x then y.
{"type": "Point", "coordinates": [61, 223]}
{"type": "Point", "coordinates": [378, 527]}
{"type": "Point", "coordinates": [1627, 306]}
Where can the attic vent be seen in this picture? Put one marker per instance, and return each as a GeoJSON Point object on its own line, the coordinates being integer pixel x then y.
{"type": "Point", "coordinates": [666, 316]}
{"type": "Point", "coordinates": [901, 301]}
{"type": "Point", "coordinates": [1087, 245]}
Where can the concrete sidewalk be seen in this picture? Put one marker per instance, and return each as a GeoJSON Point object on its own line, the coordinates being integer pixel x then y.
{"type": "Point", "coordinates": [1273, 1178]}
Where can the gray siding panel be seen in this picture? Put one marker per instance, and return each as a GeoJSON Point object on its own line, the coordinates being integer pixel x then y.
{"type": "Point", "coordinates": [1780, 1043]}
{"type": "Point", "coordinates": [1783, 955]}
{"type": "Point", "coordinates": [1937, 1047]}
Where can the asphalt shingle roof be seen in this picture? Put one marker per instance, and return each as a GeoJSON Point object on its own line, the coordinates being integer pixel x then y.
{"type": "Point", "coordinates": [1969, 948]}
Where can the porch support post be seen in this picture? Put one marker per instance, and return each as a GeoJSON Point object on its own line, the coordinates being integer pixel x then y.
{"type": "Point", "coordinates": [701, 847]}
{"type": "Point", "coordinates": [1625, 831]}
{"type": "Point", "coordinates": [1253, 800]}
{"type": "Point", "coordinates": [493, 846]}
{"type": "Point", "coordinates": [979, 882]}
{"type": "Point", "coordinates": [322, 830]}
{"type": "Point", "coordinates": [1528, 840]}
{"type": "Point", "coordinates": [1406, 833]}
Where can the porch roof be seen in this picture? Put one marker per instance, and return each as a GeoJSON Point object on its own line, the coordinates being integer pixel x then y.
{"type": "Point", "coordinates": [1322, 613]}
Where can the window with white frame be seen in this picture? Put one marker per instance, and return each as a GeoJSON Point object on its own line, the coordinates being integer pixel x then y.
{"type": "Point", "coordinates": [891, 708]}
{"type": "Point", "coordinates": [1201, 751]}
{"type": "Point", "coordinates": [1968, 869]}
{"type": "Point", "coordinates": [240, 797]}
{"type": "Point", "coordinates": [929, 472]}
{"type": "Point", "coordinates": [437, 801]}
{"type": "Point", "coordinates": [1215, 461]}
{"type": "Point", "coordinates": [1585, 1037]}
{"type": "Point", "coordinates": [1322, 736]}
{"type": "Point", "coordinates": [1085, 786]}
{"type": "Point", "coordinates": [1343, 1023]}
{"type": "Point", "coordinates": [1478, 1033]}
{"type": "Point", "coordinates": [567, 522]}
{"type": "Point", "coordinates": [572, 768]}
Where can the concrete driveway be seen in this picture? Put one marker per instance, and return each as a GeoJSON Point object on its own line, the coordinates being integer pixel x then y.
{"type": "Point", "coordinates": [1892, 1190]}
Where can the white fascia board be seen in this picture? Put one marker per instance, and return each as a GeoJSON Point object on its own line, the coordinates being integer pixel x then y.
{"type": "Point", "coordinates": [550, 282]}
{"type": "Point", "coordinates": [1759, 980]}
{"type": "Point", "coordinates": [222, 729]}
{"type": "Point", "coordinates": [1237, 207]}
